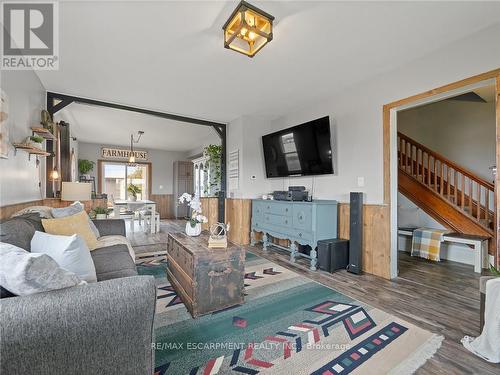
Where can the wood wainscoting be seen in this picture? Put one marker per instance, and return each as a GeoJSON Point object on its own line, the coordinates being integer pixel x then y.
{"type": "Point", "coordinates": [210, 209]}
{"type": "Point", "coordinates": [164, 205]}
{"type": "Point", "coordinates": [376, 232]}
{"type": "Point", "coordinates": [9, 210]}
{"type": "Point", "coordinates": [239, 215]}
{"type": "Point", "coordinates": [376, 237]}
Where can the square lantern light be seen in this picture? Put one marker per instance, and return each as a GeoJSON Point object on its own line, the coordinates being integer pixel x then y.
{"type": "Point", "coordinates": [248, 29]}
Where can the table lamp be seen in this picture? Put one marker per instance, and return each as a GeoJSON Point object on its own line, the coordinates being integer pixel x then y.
{"type": "Point", "coordinates": [76, 191]}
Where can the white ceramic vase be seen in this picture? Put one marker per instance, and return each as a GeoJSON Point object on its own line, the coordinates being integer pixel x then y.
{"type": "Point", "coordinates": [193, 231]}
{"type": "Point", "coordinates": [133, 198]}
{"type": "Point", "coordinates": [101, 216]}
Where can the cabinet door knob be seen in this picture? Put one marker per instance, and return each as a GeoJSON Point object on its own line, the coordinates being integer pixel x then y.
{"type": "Point", "coordinates": [286, 221]}
{"type": "Point", "coordinates": [300, 234]}
{"type": "Point", "coordinates": [286, 209]}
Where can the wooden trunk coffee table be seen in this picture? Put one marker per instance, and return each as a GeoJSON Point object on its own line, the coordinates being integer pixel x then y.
{"type": "Point", "coordinates": [207, 280]}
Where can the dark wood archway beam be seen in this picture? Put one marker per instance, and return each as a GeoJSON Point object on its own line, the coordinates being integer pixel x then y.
{"type": "Point", "coordinates": [56, 102]}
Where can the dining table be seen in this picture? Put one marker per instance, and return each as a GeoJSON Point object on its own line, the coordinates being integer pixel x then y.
{"type": "Point", "coordinates": [135, 206]}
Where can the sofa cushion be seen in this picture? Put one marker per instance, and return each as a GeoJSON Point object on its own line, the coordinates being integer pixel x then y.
{"type": "Point", "coordinates": [113, 262]}
{"type": "Point", "coordinates": [19, 230]}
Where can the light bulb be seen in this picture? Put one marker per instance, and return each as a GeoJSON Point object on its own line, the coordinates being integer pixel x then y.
{"type": "Point", "coordinates": [55, 174]}
{"type": "Point", "coordinates": [131, 159]}
{"type": "Point", "coordinates": [252, 35]}
{"type": "Point", "coordinates": [243, 32]}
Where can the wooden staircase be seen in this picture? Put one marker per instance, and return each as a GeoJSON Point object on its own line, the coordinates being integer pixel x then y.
{"type": "Point", "coordinates": [451, 194]}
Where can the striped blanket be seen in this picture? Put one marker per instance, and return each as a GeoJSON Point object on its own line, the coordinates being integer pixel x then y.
{"type": "Point", "coordinates": [426, 243]}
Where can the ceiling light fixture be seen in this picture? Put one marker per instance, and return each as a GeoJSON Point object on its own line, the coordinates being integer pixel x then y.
{"type": "Point", "coordinates": [131, 158]}
{"type": "Point", "coordinates": [248, 29]}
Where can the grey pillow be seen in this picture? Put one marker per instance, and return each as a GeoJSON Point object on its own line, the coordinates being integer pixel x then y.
{"type": "Point", "coordinates": [23, 273]}
{"type": "Point", "coordinates": [19, 230]}
{"type": "Point", "coordinates": [71, 210]}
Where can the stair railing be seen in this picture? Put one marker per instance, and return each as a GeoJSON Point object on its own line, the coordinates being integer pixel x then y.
{"type": "Point", "coordinates": [471, 194]}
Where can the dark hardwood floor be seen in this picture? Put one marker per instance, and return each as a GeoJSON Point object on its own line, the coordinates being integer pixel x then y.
{"type": "Point", "coordinates": [440, 297]}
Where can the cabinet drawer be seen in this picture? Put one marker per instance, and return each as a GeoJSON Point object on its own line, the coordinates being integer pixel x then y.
{"type": "Point", "coordinates": [302, 217]}
{"type": "Point", "coordinates": [278, 208]}
{"type": "Point", "coordinates": [282, 221]}
{"type": "Point", "coordinates": [300, 235]}
{"type": "Point", "coordinates": [257, 210]}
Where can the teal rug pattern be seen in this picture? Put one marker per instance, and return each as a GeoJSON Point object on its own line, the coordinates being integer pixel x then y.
{"type": "Point", "coordinates": [288, 324]}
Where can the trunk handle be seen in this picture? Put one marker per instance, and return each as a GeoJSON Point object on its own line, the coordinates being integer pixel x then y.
{"type": "Point", "coordinates": [220, 273]}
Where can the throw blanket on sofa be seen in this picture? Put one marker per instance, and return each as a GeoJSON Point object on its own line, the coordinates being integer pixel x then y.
{"type": "Point", "coordinates": [106, 241]}
{"type": "Point", "coordinates": [487, 346]}
{"type": "Point", "coordinates": [426, 243]}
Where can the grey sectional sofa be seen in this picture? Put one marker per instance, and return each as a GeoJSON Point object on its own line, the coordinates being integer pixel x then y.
{"type": "Point", "coordinates": [100, 328]}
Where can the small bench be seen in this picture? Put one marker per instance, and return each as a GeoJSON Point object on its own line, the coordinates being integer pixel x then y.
{"type": "Point", "coordinates": [478, 243]}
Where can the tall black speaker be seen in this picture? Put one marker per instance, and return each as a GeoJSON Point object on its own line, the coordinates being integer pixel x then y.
{"type": "Point", "coordinates": [355, 233]}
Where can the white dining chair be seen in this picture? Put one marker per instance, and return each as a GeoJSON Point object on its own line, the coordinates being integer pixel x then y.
{"type": "Point", "coordinates": [151, 218]}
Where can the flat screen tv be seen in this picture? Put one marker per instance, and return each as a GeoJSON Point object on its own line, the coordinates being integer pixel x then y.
{"type": "Point", "coordinates": [302, 150]}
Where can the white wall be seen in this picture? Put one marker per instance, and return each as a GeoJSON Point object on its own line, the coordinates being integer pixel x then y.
{"type": "Point", "coordinates": [21, 180]}
{"type": "Point", "coordinates": [213, 139]}
{"type": "Point", "coordinates": [356, 115]}
{"type": "Point", "coordinates": [161, 164]}
{"type": "Point", "coordinates": [464, 132]}
{"type": "Point", "coordinates": [409, 215]}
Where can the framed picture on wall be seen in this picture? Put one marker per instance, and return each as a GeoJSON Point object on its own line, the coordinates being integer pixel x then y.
{"type": "Point", "coordinates": [4, 125]}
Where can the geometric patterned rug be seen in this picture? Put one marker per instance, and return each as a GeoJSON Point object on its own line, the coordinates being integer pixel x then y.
{"type": "Point", "coordinates": [288, 324]}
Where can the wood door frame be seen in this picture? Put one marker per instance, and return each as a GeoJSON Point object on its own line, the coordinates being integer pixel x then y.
{"type": "Point", "coordinates": [388, 118]}
{"type": "Point", "coordinates": [147, 163]}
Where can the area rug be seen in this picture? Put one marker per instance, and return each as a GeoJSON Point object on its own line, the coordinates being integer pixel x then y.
{"type": "Point", "coordinates": [288, 324]}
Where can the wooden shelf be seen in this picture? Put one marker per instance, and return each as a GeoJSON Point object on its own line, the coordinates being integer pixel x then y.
{"type": "Point", "coordinates": [30, 149]}
{"type": "Point", "coordinates": [42, 132]}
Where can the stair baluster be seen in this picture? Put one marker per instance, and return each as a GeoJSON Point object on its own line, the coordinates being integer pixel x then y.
{"type": "Point", "coordinates": [453, 183]}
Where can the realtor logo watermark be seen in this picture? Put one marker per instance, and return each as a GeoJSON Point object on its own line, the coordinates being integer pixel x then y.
{"type": "Point", "coordinates": [30, 36]}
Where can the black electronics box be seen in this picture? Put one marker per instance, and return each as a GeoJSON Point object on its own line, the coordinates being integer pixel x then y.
{"type": "Point", "coordinates": [333, 254]}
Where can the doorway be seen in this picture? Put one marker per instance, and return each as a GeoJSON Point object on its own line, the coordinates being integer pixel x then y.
{"type": "Point", "coordinates": [115, 177]}
{"type": "Point", "coordinates": [390, 112]}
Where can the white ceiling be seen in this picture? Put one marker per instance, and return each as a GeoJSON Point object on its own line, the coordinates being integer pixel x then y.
{"type": "Point", "coordinates": [169, 55]}
{"type": "Point", "coordinates": [109, 126]}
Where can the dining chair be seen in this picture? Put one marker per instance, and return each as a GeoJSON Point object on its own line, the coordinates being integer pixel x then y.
{"type": "Point", "coordinates": [151, 218]}
{"type": "Point", "coordinates": [125, 213]}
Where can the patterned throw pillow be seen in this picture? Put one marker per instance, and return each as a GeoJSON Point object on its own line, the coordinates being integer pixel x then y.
{"type": "Point", "coordinates": [23, 273]}
{"type": "Point", "coordinates": [69, 225]}
{"type": "Point", "coordinates": [73, 209]}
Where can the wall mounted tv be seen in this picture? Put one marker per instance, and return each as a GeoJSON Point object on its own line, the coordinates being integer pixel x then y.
{"type": "Point", "coordinates": [302, 150]}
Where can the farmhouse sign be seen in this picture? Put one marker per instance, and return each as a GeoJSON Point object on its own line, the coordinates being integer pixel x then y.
{"type": "Point", "coordinates": [119, 153]}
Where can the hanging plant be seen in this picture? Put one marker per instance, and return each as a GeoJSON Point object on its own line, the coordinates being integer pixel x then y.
{"type": "Point", "coordinates": [214, 156]}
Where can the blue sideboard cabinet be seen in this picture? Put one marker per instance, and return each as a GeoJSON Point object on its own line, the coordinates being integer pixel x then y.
{"type": "Point", "coordinates": [304, 223]}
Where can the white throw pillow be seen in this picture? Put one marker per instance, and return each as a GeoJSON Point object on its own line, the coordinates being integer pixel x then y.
{"type": "Point", "coordinates": [23, 273]}
{"type": "Point", "coordinates": [70, 252]}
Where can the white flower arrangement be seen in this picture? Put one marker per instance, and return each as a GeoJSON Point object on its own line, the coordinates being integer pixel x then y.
{"type": "Point", "coordinates": [194, 202]}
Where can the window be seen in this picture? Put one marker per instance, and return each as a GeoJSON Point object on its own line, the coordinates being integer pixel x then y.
{"type": "Point", "coordinates": [117, 176]}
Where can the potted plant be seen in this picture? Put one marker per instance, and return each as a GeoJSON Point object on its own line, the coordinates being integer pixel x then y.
{"type": "Point", "coordinates": [84, 167]}
{"type": "Point", "coordinates": [193, 225]}
{"type": "Point", "coordinates": [213, 153]}
{"type": "Point", "coordinates": [35, 141]}
{"type": "Point", "coordinates": [133, 191]}
{"type": "Point", "coordinates": [101, 213]}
